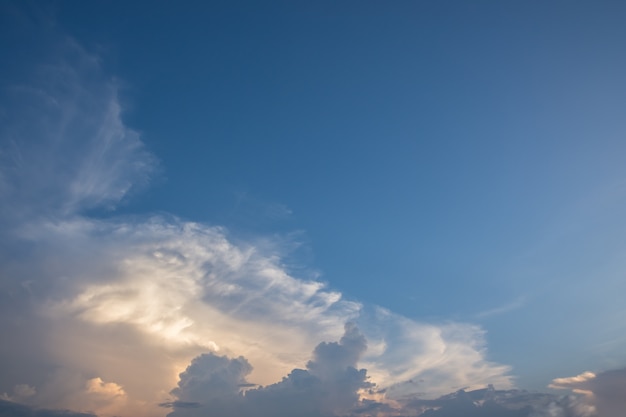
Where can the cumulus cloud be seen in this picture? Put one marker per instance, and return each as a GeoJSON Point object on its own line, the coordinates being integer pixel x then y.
{"type": "Point", "coordinates": [101, 314]}
{"type": "Point", "coordinates": [329, 386]}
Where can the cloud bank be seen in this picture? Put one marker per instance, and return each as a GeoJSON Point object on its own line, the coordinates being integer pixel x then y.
{"type": "Point", "coordinates": [100, 313]}
{"type": "Point", "coordinates": [12, 409]}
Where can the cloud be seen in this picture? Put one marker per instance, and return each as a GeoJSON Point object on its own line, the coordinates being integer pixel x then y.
{"type": "Point", "coordinates": [65, 148]}
{"type": "Point", "coordinates": [186, 285]}
{"type": "Point", "coordinates": [106, 389]}
{"type": "Point", "coordinates": [573, 381]}
{"type": "Point", "coordinates": [329, 386]}
{"type": "Point", "coordinates": [514, 305]}
{"type": "Point", "coordinates": [101, 313]}
{"type": "Point", "coordinates": [413, 357]}
{"type": "Point", "coordinates": [487, 402]}
{"type": "Point", "coordinates": [11, 409]}
{"type": "Point", "coordinates": [21, 392]}
{"type": "Point", "coordinates": [567, 406]}
{"type": "Point", "coordinates": [604, 392]}
{"type": "Point", "coordinates": [105, 314]}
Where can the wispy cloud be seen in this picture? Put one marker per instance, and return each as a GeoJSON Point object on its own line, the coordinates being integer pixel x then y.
{"type": "Point", "coordinates": [513, 305]}
{"type": "Point", "coordinates": [65, 147]}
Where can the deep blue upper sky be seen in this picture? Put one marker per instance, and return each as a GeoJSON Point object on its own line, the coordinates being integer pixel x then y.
{"type": "Point", "coordinates": [448, 160]}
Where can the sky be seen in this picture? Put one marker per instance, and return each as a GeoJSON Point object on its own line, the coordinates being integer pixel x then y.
{"type": "Point", "coordinates": [324, 209]}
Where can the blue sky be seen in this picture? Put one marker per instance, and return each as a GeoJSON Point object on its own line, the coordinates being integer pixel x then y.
{"type": "Point", "coordinates": [449, 170]}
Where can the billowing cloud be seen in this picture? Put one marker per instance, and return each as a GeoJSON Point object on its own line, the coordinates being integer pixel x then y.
{"type": "Point", "coordinates": [329, 386]}
{"type": "Point", "coordinates": [100, 314]}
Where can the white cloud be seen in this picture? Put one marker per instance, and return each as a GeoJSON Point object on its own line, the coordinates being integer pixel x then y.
{"type": "Point", "coordinates": [428, 359]}
{"type": "Point", "coordinates": [573, 381]}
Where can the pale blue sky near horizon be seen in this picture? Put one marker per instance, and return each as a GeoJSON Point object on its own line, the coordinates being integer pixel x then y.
{"type": "Point", "coordinates": [448, 161]}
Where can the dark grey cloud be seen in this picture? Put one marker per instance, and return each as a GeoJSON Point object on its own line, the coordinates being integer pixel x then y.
{"type": "Point", "coordinates": [11, 409]}
{"type": "Point", "coordinates": [609, 389]}
{"type": "Point", "coordinates": [501, 403]}
{"type": "Point", "coordinates": [481, 403]}
{"type": "Point", "coordinates": [180, 404]}
{"type": "Point", "coordinates": [605, 392]}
